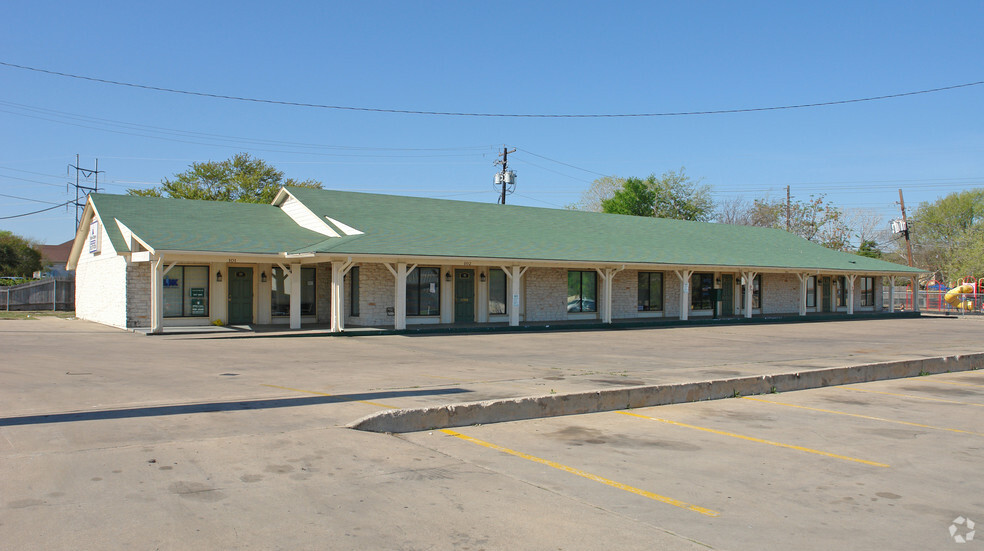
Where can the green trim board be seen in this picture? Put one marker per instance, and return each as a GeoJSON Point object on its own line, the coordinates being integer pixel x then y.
{"type": "Point", "coordinates": [398, 226]}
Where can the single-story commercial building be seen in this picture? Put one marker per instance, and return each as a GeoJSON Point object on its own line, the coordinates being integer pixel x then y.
{"type": "Point", "coordinates": [360, 259]}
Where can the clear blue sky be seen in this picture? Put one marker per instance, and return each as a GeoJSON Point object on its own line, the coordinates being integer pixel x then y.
{"type": "Point", "coordinates": [501, 57]}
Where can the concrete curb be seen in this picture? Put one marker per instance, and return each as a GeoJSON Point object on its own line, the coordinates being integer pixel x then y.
{"type": "Point", "coordinates": [534, 407]}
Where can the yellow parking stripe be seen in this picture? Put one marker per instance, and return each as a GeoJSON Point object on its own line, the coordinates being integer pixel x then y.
{"type": "Point", "coordinates": [859, 416]}
{"type": "Point", "coordinates": [377, 404]}
{"type": "Point", "coordinates": [955, 383]}
{"type": "Point", "coordinates": [910, 396]}
{"type": "Point", "coordinates": [753, 439]}
{"type": "Point", "coordinates": [583, 474]}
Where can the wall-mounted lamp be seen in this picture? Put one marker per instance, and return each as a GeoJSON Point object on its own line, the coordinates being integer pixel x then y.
{"type": "Point", "coordinates": [718, 281]}
{"type": "Point", "coordinates": [482, 277]}
{"type": "Point", "coordinates": [218, 276]}
{"type": "Point", "coordinates": [263, 277]}
{"type": "Point", "coordinates": [447, 276]}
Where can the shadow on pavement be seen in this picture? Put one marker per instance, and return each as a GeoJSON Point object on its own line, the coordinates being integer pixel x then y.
{"type": "Point", "coordinates": [156, 411]}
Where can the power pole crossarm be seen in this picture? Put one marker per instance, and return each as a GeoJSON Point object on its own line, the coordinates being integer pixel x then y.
{"type": "Point", "coordinates": [905, 231]}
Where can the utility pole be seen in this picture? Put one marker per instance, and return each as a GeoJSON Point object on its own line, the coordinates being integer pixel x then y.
{"type": "Point", "coordinates": [506, 178]}
{"type": "Point", "coordinates": [82, 191]}
{"type": "Point", "coordinates": [905, 228]}
{"type": "Point", "coordinates": [788, 213]}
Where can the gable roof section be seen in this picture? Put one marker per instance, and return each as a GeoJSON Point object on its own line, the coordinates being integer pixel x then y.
{"type": "Point", "coordinates": [411, 226]}
{"type": "Point", "coordinates": [201, 226]}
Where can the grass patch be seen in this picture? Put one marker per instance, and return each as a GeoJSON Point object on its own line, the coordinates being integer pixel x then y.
{"type": "Point", "coordinates": [14, 315]}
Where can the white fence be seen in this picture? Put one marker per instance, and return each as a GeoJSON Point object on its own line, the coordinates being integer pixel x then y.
{"type": "Point", "coordinates": [45, 294]}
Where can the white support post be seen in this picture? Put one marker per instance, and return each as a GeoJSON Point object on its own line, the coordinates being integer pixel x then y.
{"type": "Point", "coordinates": [684, 277]}
{"type": "Point", "coordinates": [803, 278]}
{"type": "Point", "coordinates": [514, 275]}
{"type": "Point", "coordinates": [338, 271]}
{"type": "Point", "coordinates": [749, 278]}
{"type": "Point", "coordinates": [891, 293]}
{"type": "Point", "coordinates": [295, 296]}
{"type": "Point", "coordinates": [400, 303]}
{"type": "Point", "coordinates": [915, 293]}
{"type": "Point", "coordinates": [607, 277]}
{"type": "Point", "coordinates": [156, 296]}
{"type": "Point", "coordinates": [850, 293]}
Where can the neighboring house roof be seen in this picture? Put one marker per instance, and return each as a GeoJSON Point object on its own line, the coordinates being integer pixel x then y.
{"type": "Point", "coordinates": [57, 254]}
{"type": "Point", "coordinates": [419, 227]}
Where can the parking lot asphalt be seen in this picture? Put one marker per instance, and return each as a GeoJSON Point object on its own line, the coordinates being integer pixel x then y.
{"type": "Point", "coordinates": [110, 439]}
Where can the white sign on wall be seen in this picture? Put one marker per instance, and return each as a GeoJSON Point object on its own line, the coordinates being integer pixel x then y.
{"type": "Point", "coordinates": [94, 237]}
{"type": "Point", "coordinates": [515, 300]}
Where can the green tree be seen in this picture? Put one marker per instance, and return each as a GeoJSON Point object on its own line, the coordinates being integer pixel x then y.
{"type": "Point", "coordinates": [869, 249]}
{"type": "Point", "coordinates": [815, 220]}
{"type": "Point", "coordinates": [635, 198]}
{"type": "Point", "coordinates": [672, 195]}
{"type": "Point", "coordinates": [19, 257]}
{"type": "Point", "coordinates": [242, 179]}
{"type": "Point", "coordinates": [939, 230]}
{"type": "Point", "coordinates": [601, 189]}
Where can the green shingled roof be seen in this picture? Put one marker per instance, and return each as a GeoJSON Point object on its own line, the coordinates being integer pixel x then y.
{"type": "Point", "coordinates": [205, 226]}
{"type": "Point", "coordinates": [411, 226]}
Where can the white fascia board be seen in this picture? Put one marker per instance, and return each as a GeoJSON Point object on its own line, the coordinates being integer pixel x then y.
{"type": "Point", "coordinates": [347, 230]}
{"type": "Point", "coordinates": [546, 263]}
{"type": "Point", "coordinates": [303, 216]}
{"type": "Point", "coordinates": [82, 234]}
{"type": "Point", "coordinates": [280, 197]}
{"type": "Point", "coordinates": [131, 237]}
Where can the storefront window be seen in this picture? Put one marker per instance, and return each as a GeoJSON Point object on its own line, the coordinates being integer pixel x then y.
{"type": "Point", "coordinates": [811, 292]}
{"type": "Point", "coordinates": [497, 291]}
{"type": "Point", "coordinates": [650, 292]}
{"type": "Point", "coordinates": [186, 292]}
{"type": "Point", "coordinates": [424, 292]}
{"type": "Point", "coordinates": [756, 293]}
{"type": "Point", "coordinates": [700, 291]}
{"type": "Point", "coordinates": [280, 292]}
{"type": "Point", "coordinates": [867, 291]}
{"type": "Point", "coordinates": [582, 291]}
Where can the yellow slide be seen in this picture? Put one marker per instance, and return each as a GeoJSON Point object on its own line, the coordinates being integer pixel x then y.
{"type": "Point", "coordinates": [953, 297]}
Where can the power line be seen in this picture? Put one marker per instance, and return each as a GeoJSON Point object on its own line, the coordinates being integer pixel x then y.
{"type": "Point", "coordinates": [465, 114]}
{"type": "Point", "coordinates": [29, 199]}
{"type": "Point", "coordinates": [36, 212]}
{"type": "Point", "coordinates": [562, 162]}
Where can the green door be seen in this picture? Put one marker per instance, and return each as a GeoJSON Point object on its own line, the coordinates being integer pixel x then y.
{"type": "Point", "coordinates": [464, 296]}
{"type": "Point", "coordinates": [727, 294]}
{"type": "Point", "coordinates": [240, 296]}
{"type": "Point", "coordinates": [826, 294]}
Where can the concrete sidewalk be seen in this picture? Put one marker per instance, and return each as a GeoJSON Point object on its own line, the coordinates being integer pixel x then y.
{"type": "Point", "coordinates": [57, 366]}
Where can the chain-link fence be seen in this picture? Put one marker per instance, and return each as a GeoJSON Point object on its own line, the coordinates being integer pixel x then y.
{"type": "Point", "coordinates": [44, 294]}
{"type": "Point", "coordinates": [934, 301]}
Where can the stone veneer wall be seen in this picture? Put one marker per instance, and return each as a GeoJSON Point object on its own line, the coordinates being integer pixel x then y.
{"type": "Point", "coordinates": [546, 294]}
{"type": "Point", "coordinates": [376, 294]}
{"type": "Point", "coordinates": [138, 295]}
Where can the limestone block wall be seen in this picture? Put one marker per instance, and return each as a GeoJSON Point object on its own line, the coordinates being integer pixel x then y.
{"type": "Point", "coordinates": [100, 285]}
{"type": "Point", "coordinates": [322, 279]}
{"type": "Point", "coordinates": [138, 295]}
{"type": "Point", "coordinates": [376, 294]}
{"type": "Point", "coordinates": [780, 294]}
{"type": "Point", "coordinates": [546, 294]}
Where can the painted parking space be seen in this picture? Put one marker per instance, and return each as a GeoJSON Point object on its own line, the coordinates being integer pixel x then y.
{"type": "Point", "coordinates": [919, 468]}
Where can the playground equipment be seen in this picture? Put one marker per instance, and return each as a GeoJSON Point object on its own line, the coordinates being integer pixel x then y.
{"type": "Point", "coordinates": [957, 296]}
